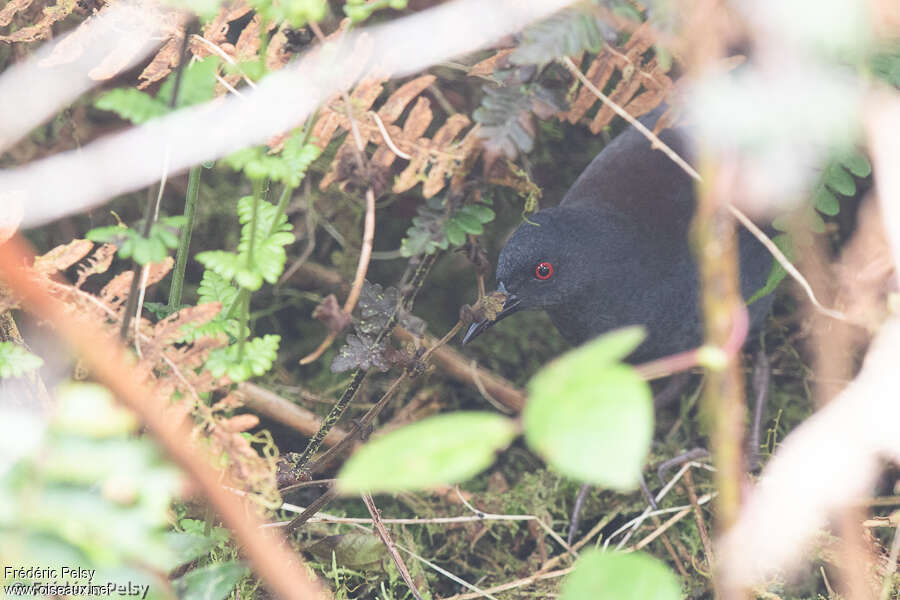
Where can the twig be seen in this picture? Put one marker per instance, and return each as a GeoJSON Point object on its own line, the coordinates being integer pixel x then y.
{"type": "Point", "coordinates": [389, 543]}
{"type": "Point", "coordinates": [637, 521]}
{"type": "Point", "coordinates": [224, 56]}
{"type": "Point", "coordinates": [543, 525]}
{"type": "Point", "coordinates": [387, 137]}
{"type": "Point", "coordinates": [891, 565]}
{"type": "Point", "coordinates": [745, 221]}
{"type": "Point", "coordinates": [284, 411]}
{"type": "Point", "coordinates": [701, 523]}
{"type": "Point", "coordinates": [312, 509]}
{"type": "Point", "coordinates": [458, 367]}
{"type": "Point", "coordinates": [358, 427]}
{"type": "Point", "coordinates": [479, 593]}
{"type": "Point", "coordinates": [281, 569]}
{"type": "Point", "coordinates": [513, 584]}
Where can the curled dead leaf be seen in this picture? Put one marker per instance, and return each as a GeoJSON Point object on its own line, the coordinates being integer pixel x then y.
{"type": "Point", "coordinates": [331, 314]}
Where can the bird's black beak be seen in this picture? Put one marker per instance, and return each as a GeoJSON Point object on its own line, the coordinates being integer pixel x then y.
{"type": "Point", "coordinates": [510, 306]}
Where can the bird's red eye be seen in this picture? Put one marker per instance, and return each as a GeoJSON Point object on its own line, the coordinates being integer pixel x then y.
{"type": "Point", "coordinates": [543, 271]}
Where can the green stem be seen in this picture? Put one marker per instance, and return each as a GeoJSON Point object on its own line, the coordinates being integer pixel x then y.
{"type": "Point", "coordinates": [244, 302]}
{"type": "Point", "coordinates": [282, 206]}
{"type": "Point", "coordinates": [258, 188]}
{"type": "Point", "coordinates": [184, 244]}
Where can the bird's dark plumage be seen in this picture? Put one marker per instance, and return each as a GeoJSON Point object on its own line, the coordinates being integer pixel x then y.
{"type": "Point", "coordinates": [617, 253]}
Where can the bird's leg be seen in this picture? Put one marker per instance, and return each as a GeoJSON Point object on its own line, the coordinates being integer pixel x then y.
{"type": "Point", "coordinates": [576, 512]}
{"type": "Point", "coordinates": [646, 491]}
{"type": "Point", "coordinates": [762, 374]}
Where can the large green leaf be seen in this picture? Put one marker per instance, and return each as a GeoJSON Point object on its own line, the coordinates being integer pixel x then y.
{"type": "Point", "coordinates": [590, 416]}
{"type": "Point", "coordinates": [439, 450]}
{"type": "Point", "coordinates": [212, 582]}
{"type": "Point", "coordinates": [615, 576]}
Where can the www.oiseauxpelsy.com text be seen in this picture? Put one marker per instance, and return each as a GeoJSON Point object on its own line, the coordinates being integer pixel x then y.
{"type": "Point", "coordinates": [65, 581]}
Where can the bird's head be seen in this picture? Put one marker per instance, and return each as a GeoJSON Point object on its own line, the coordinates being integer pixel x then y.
{"type": "Point", "coordinates": [551, 260]}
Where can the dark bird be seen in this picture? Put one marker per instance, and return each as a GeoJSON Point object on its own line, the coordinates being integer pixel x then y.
{"type": "Point", "coordinates": [615, 252]}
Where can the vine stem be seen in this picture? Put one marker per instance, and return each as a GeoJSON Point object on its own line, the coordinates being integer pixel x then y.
{"type": "Point", "coordinates": [184, 243]}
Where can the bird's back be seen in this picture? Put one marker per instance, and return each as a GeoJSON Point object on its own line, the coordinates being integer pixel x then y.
{"type": "Point", "coordinates": [640, 182]}
{"type": "Point", "coordinates": [634, 183]}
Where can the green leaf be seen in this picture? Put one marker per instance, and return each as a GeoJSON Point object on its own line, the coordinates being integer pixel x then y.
{"type": "Point", "coordinates": [88, 410]}
{"type": "Point", "coordinates": [215, 288]}
{"type": "Point", "coordinates": [212, 582]}
{"type": "Point", "coordinates": [112, 233]}
{"type": "Point", "coordinates": [616, 576]}
{"type": "Point", "coordinates": [351, 550]}
{"type": "Point", "coordinates": [468, 222]}
{"type": "Point", "coordinates": [838, 179]}
{"type": "Point", "coordinates": [455, 233]}
{"type": "Point", "coordinates": [591, 417]}
{"type": "Point", "coordinates": [298, 158]}
{"type": "Point", "coordinates": [784, 243]}
{"type": "Point", "coordinates": [444, 449]}
{"type": "Point", "coordinates": [567, 33]}
{"type": "Point", "coordinates": [857, 163]}
{"type": "Point", "coordinates": [258, 357]}
{"type": "Point", "coordinates": [483, 213]}
{"type": "Point", "coordinates": [825, 202]}
{"type": "Point", "coordinates": [15, 360]}
{"type": "Point", "coordinates": [132, 105]}
{"type": "Point", "coordinates": [198, 83]}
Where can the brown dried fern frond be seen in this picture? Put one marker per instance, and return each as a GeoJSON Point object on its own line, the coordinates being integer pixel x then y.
{"type": "Point", "coordinates": [172, 369]}
{"type": "Point", "coordinates": [431, 160]}
{"type": "Point", "coordinates": [642, 85]}
{"type": "Point", "coordinates": [41, 30]}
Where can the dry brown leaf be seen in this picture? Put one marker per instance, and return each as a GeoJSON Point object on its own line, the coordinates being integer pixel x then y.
{"type": "Point", "coordinates": [277, 54]}
{"type": "Point", "coordinates": [62, 257]}
{"type": "Point", "coordinates": [432, 161]}
{"type": "Point", "coordinates": [486, 67]}
{"type": "Point", "coordinates": [170, 329]}
{"type": "Point", "coordinates": [414, 127]}
{"type": "Point", "coordinates": [160, 269]}
{"type": "Point", "coordinates": [43, 28]}
{"type": "Point", "coordinates": [115, 292]}
{"type": "Point", "coordinates": [405, 94]}
{"type": "Point", "coordinates": [443, 166]}
{"type": "Point", "coordinates": [99, 262]}
{"type": "Point", "coordinates": [245, 49]}
{"type": "Point", "coordinates": [229, 402]}
{"type": "Point", "coordinates": [334, 115]}
{"type": "Point", "coordinates": [11, 9]}
{"type": "Point", "coordinates": [164, 61]}
{"type": "Point", "coordinates": [216, 30]}
{"type": "Point", "coordinates": [194, 356]}
{"type": "Point", "coordinates": [239, 423]}
{"type": "Point", "coordinates": [636, 75]}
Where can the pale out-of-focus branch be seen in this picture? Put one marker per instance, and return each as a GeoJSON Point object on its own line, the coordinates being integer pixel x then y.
{"type": "Point", "coordinates": [75, 181]}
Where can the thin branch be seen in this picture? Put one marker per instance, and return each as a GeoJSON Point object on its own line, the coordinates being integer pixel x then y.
{"type": "Point", "coordinates": [281, 569]}
{"type": "Point", "coordinates": [387, 137]}
{"type": "Point", "coordinates": [389, 543]}
{"type": "Point", "coordinates": [698, 515]}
